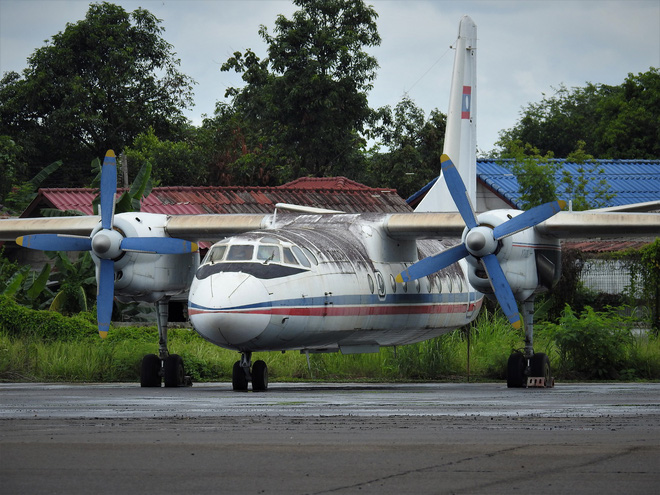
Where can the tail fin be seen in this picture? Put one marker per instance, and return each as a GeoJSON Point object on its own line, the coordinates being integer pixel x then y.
{"type": "Point", "coordinates": [461, 134]}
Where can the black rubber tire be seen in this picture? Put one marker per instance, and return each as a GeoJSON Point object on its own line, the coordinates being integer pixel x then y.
{"type": "Point", "coordinates": [238, 379]}
{"type": "Point", "coordinates": [515, 370]}
{"type": "Point", "coordinates": [540, 367]}
{"type": "Point", "coordinates": [259, 376]}
{"type": "Point", "coordinates": [173, 372]}
{"type": "Point", "coordinates": [150, 371]}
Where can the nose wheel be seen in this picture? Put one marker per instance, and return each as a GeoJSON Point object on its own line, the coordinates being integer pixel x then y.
{"type": "Point", "coordinates": [245, 371]}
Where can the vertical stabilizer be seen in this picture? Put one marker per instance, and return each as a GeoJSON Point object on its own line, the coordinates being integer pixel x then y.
{"type": "Point", "coordinates": [460, 136]}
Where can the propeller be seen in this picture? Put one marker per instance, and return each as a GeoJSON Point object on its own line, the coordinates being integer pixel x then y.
{"type": "Point", "coordinates": [107, 244]}
{"type": "Point", "coordinates": [481, 242]}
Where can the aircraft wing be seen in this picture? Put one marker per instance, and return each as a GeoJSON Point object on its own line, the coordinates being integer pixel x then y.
{"type": "Point", "coordinates": [564, 225]}
{"type": "Point", "coordinates": [397, 225]}
{"type": "Point", "coordinates": [192, 227]}
{"type": "Point", "coordinates": [588, 224]}
{"type": "Point", "coordinates": [11, 228]}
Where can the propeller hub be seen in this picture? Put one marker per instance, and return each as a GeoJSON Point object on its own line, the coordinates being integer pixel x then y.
{"type": "Point", "coordinates": [479, 242]}
{"type": "Point", "coordinates": [106, 244]}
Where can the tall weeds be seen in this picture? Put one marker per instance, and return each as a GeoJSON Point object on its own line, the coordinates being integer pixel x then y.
{"type": "Point", "coordinates": [61, 349]}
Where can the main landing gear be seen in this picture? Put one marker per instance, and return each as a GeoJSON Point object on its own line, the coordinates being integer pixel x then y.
{"type": "Point", "coordinates": [245, 371]}
{"type": "Point", "coordinates": [165, 367]}
{"type": "Point", "coordinates": [527, 368]}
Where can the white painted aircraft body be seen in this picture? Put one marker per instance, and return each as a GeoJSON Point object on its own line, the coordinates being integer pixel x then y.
{"type": "Point", "coordinates": [325, 283]}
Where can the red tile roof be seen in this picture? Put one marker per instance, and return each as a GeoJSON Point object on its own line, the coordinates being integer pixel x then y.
{"type": "Point", "coordinates": [335, 193]}
{"type": "Point", "coordinates": [604, 246]}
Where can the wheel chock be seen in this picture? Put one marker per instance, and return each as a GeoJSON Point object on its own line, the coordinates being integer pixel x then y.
{"type": "Point", "coordinates": [539, 382]}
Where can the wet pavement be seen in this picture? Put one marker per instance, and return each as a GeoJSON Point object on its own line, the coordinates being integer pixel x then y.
{"type": "Point", "coordinates": [330, 438]}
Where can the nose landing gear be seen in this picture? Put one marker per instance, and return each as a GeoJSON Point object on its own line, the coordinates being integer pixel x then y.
{"type": "Point", "coordinates": [245, 371]}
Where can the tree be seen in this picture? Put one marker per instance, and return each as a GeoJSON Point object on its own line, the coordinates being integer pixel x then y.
{"type": "Point", "coordinates": [628, 125]}
{"type": "Point", "coordinates": [95, 86]}
{"type": "Point", "coordinates": [307, 100]}
{"type": "Point", "coordinates": [174, 163]}
{"type": "Point", "coordinates": [534, 172]}
{"type": "Point", "coordinates": [414, 146]}
{"type": "Point", "coordinates": [584, 192]}
{"type": "Point", "coordinates": [11, 166]}
{"type": "Point", "coordinates": [613, 121]}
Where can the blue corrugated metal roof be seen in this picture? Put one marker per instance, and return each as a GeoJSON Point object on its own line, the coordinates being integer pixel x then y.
{"type": "Point", "coordinates": [630, 181]}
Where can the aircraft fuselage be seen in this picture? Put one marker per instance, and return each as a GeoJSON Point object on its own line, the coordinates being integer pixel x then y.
{"type": "Point", "coordinates": [324, 283]}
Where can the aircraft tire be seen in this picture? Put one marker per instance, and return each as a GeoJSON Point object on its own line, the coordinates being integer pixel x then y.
{"type": "Point", "coordinates": [150, 371]}
{"type": "Point", "coordinates": [259, 376]}
{"type": "Point", "coordinates": [238, 379]}
{"type": "Point", "coordinates": [515, 376]}
{"type": "Point", "coordinates": [540, 367]}
{"type": "Point", "coordinates": [173, 372]}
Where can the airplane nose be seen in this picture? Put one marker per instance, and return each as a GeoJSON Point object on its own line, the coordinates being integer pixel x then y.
{"type": "Point", "coordinates": [229, 308]}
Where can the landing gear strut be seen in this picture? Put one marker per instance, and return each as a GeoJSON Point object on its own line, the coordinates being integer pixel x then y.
{"type": "Point", "coordinates": [527, 368]}
{"type": "Point", "coordinates": [166, 367]}
{"type": "Point", "coordinates": [245, 371]}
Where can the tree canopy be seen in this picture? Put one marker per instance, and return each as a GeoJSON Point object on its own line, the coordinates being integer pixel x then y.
{"type": "Point", "coordinates": [96, 85]}
{"type": "Point", "coordinates": [613, 121]}
{"type": "Point", "coordinates": [307, 100]}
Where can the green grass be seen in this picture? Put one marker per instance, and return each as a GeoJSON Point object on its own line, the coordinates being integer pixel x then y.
{"type": "Point", "coordinates": [61, 349]}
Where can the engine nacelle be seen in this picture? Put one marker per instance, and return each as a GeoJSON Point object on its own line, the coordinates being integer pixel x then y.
{"type": "Point", "coordinates": [530, 262]}
{"type": "Point", "coordinates": [147, 277]}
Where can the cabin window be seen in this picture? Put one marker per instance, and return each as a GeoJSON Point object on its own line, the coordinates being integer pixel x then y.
{"type": "Point", "coordinates": [310, 255]}
{"type": "Point", "coordinates": [418, 287]}
{"type": "Point", "coordinates": [429, 283]}
{"type": "Point", "coordinates": [372, 287]}
{"type": "Point", "coordinates": [393, 283]}
{"type": "Point", "coordinates": [301, 256]}
{"type": "Point", "coordinates": [240, 252]}
{"type": "Point", "coordinates": [381, 284]}
{"type": "Point", "coordinates": [269, 254]}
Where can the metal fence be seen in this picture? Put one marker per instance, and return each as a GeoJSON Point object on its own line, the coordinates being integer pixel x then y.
{"type": "Point", "coordinates": [606, 276]}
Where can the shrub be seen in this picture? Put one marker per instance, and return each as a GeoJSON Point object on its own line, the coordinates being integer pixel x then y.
{"type": "Point", "coordinates": [50, 326]}
{"type": "Point", "coordinates": [593, 344]}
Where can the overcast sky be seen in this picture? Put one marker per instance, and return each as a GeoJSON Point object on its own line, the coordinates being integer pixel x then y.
{"type": "Point", "coordinates": [525, 48]}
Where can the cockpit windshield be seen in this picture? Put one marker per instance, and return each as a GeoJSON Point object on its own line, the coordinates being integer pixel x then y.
{"type": "Point", "coordinates": [265, 258]}
{"type": "Point", "coordinates": [267, 250]}
{"type": "Point", "coordinates": [269, 254]}
{"type": "Point", "coordinates": [240, 252]}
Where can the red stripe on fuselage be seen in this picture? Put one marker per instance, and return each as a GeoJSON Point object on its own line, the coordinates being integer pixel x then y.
{"type": "Point", "coordinates": [331, 310]}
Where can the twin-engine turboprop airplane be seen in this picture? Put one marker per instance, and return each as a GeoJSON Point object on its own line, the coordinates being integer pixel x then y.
{"type": "Point", "coordinates": [316, 280]}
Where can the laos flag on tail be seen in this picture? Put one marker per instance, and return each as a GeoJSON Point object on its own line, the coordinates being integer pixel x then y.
{"type": "Point", "coordinates": [467, 102]}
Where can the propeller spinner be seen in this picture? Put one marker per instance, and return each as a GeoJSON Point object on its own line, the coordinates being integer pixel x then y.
{"type": "Point", "coordinates": [481, 242]}
{"type": "Point", "coordinates": [107, 244]}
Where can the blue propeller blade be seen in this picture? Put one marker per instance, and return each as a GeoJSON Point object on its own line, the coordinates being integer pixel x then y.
{"type": "Point", "coordinates": [158, 245]}
{"type": "Point", "coordinates": [105, 295]}
{"type": "Point", "coordinates": [502, 289]}
{"type": "Point", "coordinates": [528, 219]}
{"type": "Point", "coordinates": [108, 189]}
{"type": "Point", "coordinates": [458, 191]}
{"type": "Point", "coordinates": [55, 242]}
{"type": "Point", "coordinates": [433, 263]}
